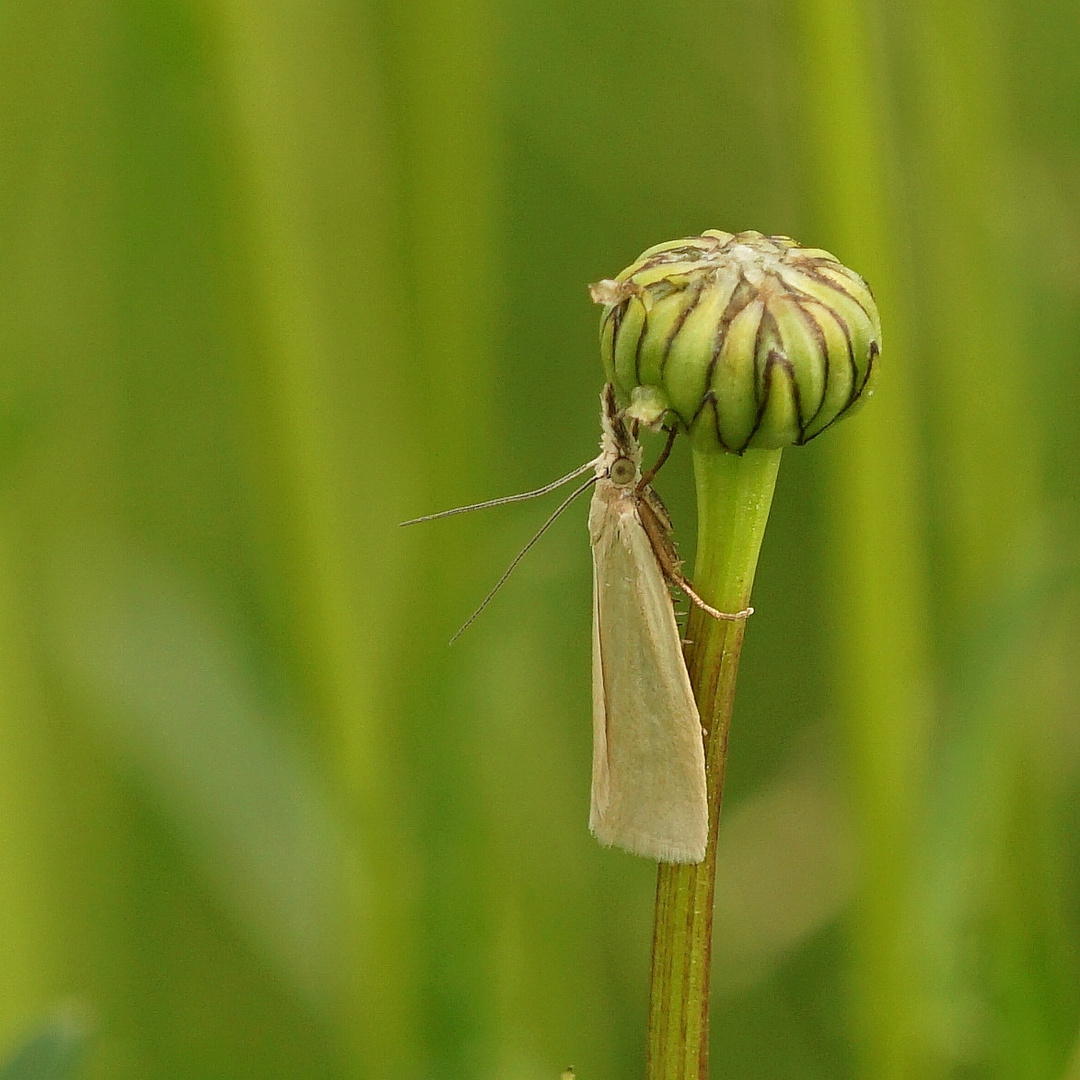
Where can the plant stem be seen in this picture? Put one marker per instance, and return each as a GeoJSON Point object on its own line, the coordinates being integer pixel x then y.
{"type": "Point", "coordinates": [734, 496]}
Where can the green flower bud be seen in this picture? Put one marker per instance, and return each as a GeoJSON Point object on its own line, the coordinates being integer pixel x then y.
{"type": "Point", "coordinates": [743, 340]}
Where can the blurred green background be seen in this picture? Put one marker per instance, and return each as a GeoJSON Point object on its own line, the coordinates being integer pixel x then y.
{"type": "Point", "coordinates": [278, 275]}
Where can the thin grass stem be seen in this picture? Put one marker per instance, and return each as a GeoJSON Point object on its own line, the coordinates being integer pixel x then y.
{"type": "Point", "coordinates": [734, 497]}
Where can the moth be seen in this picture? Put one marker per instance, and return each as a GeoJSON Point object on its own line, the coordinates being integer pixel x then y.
{"type": "Point", "coordinates": [648, 781]}
{"type": "Point", "coordinates": [648, 774]}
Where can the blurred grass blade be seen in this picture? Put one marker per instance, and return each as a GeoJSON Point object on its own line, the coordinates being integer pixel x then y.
{"type": "Point", "coordinates": [883, 650]}
{"type": "Point", "coordinates": [329, 376]}
{"type": "Point", "coordinates": [167, 687]}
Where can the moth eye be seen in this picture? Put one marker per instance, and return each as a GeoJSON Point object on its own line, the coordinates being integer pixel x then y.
{"type": "Point", "coordinates": [622, 471]}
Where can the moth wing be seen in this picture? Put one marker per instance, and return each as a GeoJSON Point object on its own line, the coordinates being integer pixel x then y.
{"type": "Point", "coordinates": [648, 789]}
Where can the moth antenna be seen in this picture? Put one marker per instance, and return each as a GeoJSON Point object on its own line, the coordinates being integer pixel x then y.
{"type": "Point", "coordinates": [505, 499]}
{"type": "Point", "coordinates": [521, 554]}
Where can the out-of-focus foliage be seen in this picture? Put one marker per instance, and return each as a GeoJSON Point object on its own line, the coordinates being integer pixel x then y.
{"type": "Point", "coordinates": [52, 1052]}
{"type": "Point", "coordinates": [278, 275]}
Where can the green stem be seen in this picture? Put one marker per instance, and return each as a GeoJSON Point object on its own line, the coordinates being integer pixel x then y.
{"type": "Point", "coordinates": [734, 496]}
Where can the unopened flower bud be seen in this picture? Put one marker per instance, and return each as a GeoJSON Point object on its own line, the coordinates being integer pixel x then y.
{"type": "Point", "coordinates": [743, 340]}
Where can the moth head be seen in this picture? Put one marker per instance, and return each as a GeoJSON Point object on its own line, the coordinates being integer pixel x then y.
{"type": "Point", "coordinates": [623, 472]}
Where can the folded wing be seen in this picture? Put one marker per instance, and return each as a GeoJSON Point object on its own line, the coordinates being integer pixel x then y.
{"type": "Point", "coordinates": [648, 791]}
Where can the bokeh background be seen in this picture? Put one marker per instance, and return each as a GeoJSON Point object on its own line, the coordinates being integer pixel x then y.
{"type": "Point", "coordinates": [277, 275]}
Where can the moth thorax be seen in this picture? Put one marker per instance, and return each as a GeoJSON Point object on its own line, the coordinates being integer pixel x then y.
{"type": "Point", "coordinates": [622, 472]}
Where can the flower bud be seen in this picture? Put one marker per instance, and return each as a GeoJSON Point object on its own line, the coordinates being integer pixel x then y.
{"type": "Point", "coordinates": [743, 340]}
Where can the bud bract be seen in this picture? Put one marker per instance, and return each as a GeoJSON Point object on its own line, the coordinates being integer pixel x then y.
{"type": "Point", "coordinates": [743, 340]}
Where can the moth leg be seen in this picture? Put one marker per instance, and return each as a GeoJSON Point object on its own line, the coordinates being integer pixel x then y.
{"type": "Point", "coordinates": [647, 477]}
{"type": "Point", "coordinates": [664, 550]}
{"type": "Point", "coordinates": [680, 582]}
